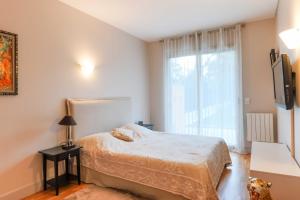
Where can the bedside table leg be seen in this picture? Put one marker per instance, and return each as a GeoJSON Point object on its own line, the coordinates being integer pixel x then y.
{"type": "Point", "coordinates": [78, 168]}
{"type": "Point", "coordinates": [56, 176]}
{"type": "Point", "coordinates": [45, 172]}
{"type": "Point", "coordinates": [67, 168]}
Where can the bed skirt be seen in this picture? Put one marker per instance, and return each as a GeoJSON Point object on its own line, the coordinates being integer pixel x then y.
{"type": "Point", "coordinates": [103, 180]}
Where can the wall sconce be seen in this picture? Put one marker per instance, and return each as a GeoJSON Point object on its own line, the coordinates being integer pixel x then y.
{"type": "Point", "coordinates": [291, 38]}
{"type": "Point", "coordinates": [87, 68]}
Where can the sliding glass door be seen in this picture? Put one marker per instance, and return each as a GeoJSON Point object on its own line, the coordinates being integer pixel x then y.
{"type": "Point", "coordinates": [203, 92]}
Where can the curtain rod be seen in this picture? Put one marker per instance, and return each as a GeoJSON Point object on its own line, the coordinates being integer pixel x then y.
{"type": "Point", "coordinates": [212, 29]}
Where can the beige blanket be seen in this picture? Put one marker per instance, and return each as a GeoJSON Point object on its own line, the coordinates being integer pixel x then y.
{"type": "Point", "coordinates": [189, 166]}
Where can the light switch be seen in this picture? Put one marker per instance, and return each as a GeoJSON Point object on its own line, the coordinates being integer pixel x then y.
{"type": "Point", "coordinates": [247, 100]}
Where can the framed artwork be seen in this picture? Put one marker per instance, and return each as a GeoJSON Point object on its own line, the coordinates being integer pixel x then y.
{"type": "Point", "coordinates": [8, 63]}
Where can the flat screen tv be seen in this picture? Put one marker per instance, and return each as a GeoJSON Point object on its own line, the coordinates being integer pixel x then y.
{"type": "Point", "coordinates": [283, 82]}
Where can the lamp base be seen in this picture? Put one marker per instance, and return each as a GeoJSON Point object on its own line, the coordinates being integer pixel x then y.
{"type": "Point", "coordinates": [67, 147]}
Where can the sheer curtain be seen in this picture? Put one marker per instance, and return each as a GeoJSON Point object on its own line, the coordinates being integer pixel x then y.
{"type": "Point", "coordinates": [203, 85]}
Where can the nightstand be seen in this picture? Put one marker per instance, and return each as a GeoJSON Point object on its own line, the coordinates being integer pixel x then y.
{"type": "Point", "coordinates": [148, 126]}
{"type": "Point", "coordinates": [57, 154]}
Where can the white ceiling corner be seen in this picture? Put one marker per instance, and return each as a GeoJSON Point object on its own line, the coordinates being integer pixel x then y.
{"type": "Point", "coordinates": [151, 20]}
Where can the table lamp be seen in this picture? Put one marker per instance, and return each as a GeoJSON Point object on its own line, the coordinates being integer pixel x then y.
{"type": "Point", "coordinates": [68, 121]}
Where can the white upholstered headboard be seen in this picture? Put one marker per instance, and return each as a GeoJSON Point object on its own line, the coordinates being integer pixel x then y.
{"type": "Point", "coordinates": [98, 115]}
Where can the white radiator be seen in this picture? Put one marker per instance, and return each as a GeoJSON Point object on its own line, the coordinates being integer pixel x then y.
{"type": "Point", "coordinates": [260, 127]}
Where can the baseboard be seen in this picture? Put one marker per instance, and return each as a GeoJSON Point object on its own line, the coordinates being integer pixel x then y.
{"type": "Point", "coordinates": [29, 189]}
{"type": "Point", "coordinates": [22, 192]}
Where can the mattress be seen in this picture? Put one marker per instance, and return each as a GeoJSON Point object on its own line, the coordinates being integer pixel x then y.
{"type": "Point", "coordinates": [189, 166]}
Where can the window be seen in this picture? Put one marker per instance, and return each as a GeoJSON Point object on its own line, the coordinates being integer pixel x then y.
{"type": "Point", "coordinates": [203, 85]}
{"type": "Point", "coordinates": [204, 94]}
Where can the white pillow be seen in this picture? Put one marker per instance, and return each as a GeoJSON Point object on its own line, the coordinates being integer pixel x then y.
{"type": "Point", "coordinates": [139, 131]}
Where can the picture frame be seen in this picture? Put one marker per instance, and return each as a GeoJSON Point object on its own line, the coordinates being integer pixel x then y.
{"type": "Point", "coordinates": [8, 63]}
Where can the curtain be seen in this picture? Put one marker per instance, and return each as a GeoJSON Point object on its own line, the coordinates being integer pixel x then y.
{"type": "Point", "coordinates": [203, 85]}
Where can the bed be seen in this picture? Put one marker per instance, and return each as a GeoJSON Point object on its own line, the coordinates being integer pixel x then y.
{"type": "Point", "coordinates": [156, 165]}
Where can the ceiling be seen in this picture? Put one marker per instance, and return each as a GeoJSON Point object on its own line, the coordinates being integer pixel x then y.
{"type": "Point", "coordinates": [151, 20]}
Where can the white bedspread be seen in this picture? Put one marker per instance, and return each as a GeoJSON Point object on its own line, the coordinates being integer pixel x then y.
{"type": "Point", "coordinates": [189, 166]}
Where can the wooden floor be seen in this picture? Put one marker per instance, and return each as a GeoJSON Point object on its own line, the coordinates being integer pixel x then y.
{"type": "Point", "coordinates": [232, 185]}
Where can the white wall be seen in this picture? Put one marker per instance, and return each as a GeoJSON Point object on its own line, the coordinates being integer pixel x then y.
{"type": "Point", "coordinates": [53, 38]}
{"type": "Point", "coordinates": [155, 52]}
{"type": "Point", "coordinates": [257, 40]}
{"type": "Point", "coordinates": [288, 16]}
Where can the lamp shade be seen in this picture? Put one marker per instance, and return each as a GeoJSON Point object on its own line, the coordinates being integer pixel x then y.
{"type": "Point", "coordinates": [291, 38]}
{"type": "Point", "coordinates": [68, 121]}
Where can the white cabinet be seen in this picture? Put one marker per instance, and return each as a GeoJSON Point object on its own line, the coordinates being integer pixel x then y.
{"type": "Point", "coordinates": [273, 162]}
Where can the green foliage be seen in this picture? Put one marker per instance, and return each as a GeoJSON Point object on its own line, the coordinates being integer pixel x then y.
{"type": "Point", "coordinates": [6, 43]}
